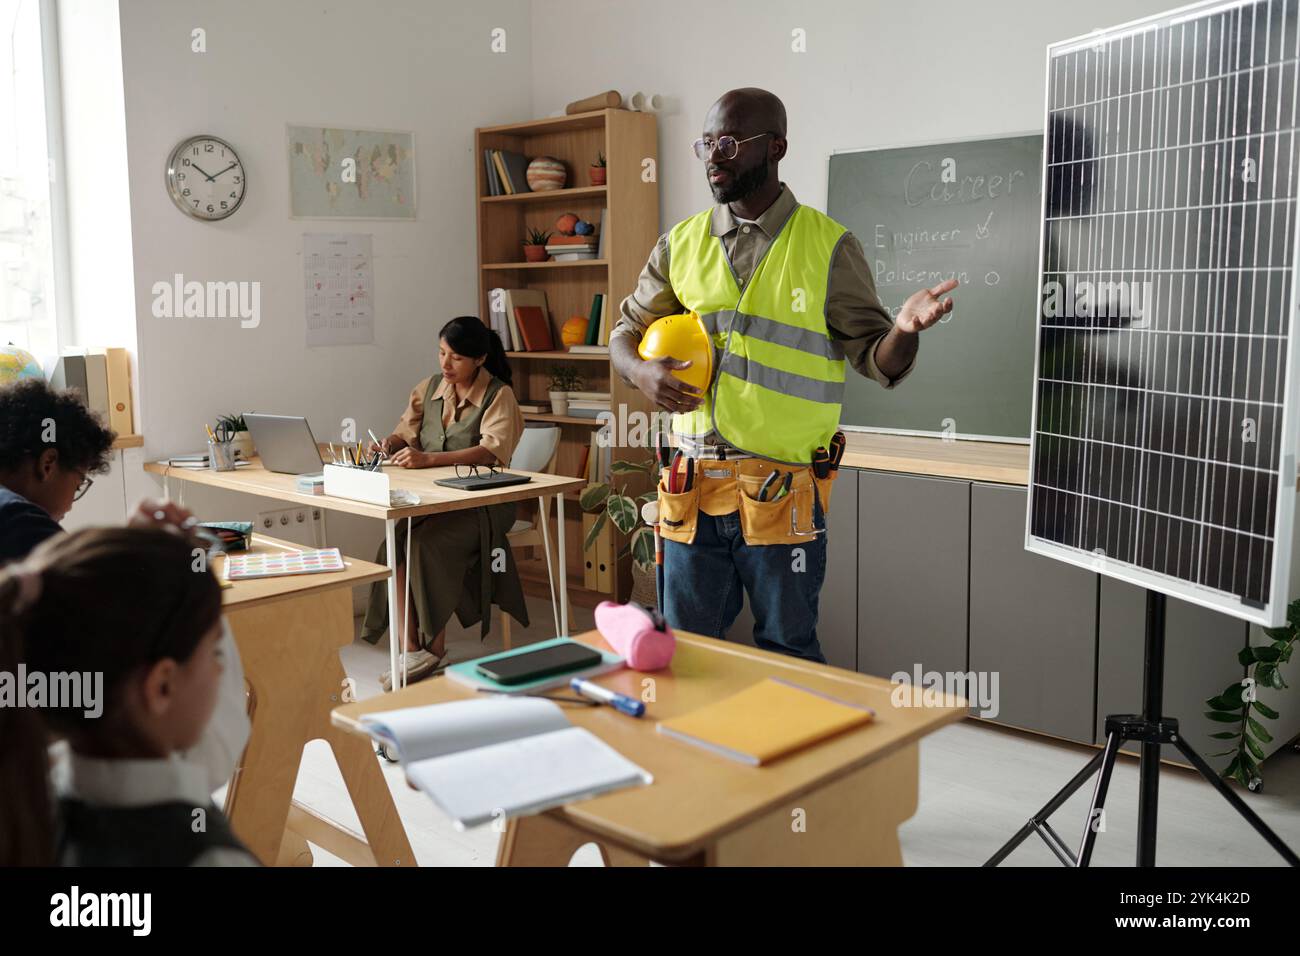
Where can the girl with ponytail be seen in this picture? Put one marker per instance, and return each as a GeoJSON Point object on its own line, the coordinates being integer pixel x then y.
{"type": "Point", "coordinates": [148, 666]}
{"type": "Point", "coordinates": [465, 416]}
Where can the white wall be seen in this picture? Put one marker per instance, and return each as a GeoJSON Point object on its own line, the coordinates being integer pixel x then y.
{"type": "Point", "coordinates": [876, 72]}
{"type": "Point", "coordinates": [418, 66]}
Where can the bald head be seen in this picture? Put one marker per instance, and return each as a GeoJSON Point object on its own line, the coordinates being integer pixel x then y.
{"type": "Point", "coordinates": [756, 120]}
{"type": "Point", "coordinates": [750, 110]}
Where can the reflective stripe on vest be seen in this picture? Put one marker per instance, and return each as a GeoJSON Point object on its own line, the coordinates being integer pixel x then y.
{"type": "Point", "coordinates": [778, 374]}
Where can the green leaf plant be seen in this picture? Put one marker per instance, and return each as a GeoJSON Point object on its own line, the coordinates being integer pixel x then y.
{"type": "Point", "coordinates": [612, 502]}
{"type": "Point", "coordinates": [1237, 705]}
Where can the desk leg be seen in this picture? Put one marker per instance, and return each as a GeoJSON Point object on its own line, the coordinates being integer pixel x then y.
{"type": "Point", "coordinates": [290, 651]}
{"type": "Point", "coordinates": [564, 566]}
{"type": "Point", "coordinates": [394, 639]}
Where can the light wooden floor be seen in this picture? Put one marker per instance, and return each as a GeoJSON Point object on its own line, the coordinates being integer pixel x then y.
{"type": "Point", "coordinates": [979, 784]}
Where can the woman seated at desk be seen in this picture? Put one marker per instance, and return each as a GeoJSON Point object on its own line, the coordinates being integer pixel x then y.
{"type": "Point", "coordinates": [465, 416]}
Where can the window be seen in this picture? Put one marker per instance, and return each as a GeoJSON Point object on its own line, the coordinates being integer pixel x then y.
{"type": "Point", "coordinates": [29, 209]}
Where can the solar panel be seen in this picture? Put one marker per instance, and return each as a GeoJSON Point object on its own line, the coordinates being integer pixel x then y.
{"type": "Point", "coordinates": [1163, 438]}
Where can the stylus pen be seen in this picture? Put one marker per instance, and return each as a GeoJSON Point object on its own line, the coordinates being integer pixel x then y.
{"type": "Point", "coordinates": [620, 702]}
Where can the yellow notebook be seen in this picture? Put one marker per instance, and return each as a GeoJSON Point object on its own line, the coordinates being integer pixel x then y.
{"type": "Point", "coordinates": [766, 721]}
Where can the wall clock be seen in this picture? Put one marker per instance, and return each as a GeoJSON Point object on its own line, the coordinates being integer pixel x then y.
{"type": "Point", "coordinates": [205, 178]}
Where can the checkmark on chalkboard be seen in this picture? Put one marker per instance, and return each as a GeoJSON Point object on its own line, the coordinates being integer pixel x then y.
{"type": "Point", "coordinates": [982, 232]}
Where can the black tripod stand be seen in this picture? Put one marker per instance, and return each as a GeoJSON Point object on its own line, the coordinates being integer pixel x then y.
{"type": "Point", "coordinates": [1151, 730]}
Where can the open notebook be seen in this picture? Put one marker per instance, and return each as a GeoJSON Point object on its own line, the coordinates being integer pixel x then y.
{"type": "Point", "coordinates": [480, 759]}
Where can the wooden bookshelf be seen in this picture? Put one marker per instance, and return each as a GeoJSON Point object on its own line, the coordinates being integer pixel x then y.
{"type": "Point", "coordinates": [632, 227]}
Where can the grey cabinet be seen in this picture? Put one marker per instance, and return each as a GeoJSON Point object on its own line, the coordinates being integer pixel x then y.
{"type": "Point", "coordinates": [1201, 649]}
{"type": "Point", "coordinates": [913, 566]}
{"type": "Point", "coordinates": [1033, 621]}
{"type": "Point", "coordinates": [837, 620]}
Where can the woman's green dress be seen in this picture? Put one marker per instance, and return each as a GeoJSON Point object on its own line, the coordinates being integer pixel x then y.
{"type": "Point", "coordinates": [460, 560]}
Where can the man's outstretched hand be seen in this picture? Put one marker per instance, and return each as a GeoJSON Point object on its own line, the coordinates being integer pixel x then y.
{"type": "Point", "coordinates": [926, 307]}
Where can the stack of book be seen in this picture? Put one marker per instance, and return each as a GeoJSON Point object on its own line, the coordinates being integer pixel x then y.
{"type": "Point", "coordinates": [588, 404]}
{"type": "Point", "coordinates": [572, 248]}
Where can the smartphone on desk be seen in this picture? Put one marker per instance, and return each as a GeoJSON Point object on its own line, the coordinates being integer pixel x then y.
{"type": "Point", "coordinates": [534, 665]}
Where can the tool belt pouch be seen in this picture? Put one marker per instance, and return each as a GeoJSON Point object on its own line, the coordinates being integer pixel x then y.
{"type": "Point", "coordinates": [824, 490]}
{"type": "Point", "coordinates": [787, 520]}
{"type": "Point", "coordinates": [678, 513]}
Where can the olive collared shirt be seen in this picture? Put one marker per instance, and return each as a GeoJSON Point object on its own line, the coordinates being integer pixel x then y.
{"type": "Point", "coordinates": [854, 313]}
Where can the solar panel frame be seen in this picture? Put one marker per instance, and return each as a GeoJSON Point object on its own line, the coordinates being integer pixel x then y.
{"type": "Point", "coordinates": [1270, 609]}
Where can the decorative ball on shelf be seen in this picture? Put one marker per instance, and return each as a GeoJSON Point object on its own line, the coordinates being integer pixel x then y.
{"type": "Point", "coordinates": [583, 228]}
{"type": "Point", "coordinates": [574, 331]}
{"type": "Point", "coordinates": [564, 225]}
{"type": "Point", "coordinates": [17, 364]}
{"type": "Point", "coordinates": [546, 172]}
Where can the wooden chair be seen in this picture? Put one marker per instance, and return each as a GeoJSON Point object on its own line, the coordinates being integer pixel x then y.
{"type": "Point", "coordinates": [537, 451]}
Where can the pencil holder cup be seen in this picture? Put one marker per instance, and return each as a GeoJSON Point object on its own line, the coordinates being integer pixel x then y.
{"type": "Point", "coordinates": [221, 455]}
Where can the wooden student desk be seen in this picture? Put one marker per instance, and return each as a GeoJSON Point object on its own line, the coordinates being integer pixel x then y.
{"type": "Point", "coordinates": [289, 630]}
{"type": "Point", "coordinates": [434, 499]}
{"type": "Point", "coordinates": [838, 803]}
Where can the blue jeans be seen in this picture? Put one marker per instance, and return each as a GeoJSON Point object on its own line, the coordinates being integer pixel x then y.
{"type": "Point", "coordinates": [703, 581]}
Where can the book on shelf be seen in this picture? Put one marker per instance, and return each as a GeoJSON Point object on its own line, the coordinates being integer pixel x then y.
{"type": "Point", "coordinates": [590, 349]}
{"type": "Point", "coordinates": [571, 256]}
{"type": "Point", "coordinates": [534, 328]}
{"type": "Point", "coordinates": [574, 240]}
{"type": "Point", "coordinates": [511, 169]}
{"type": "Point", "coordinates": [593, 320]}
{"type": "Point", "coordinates": [490, 176]}
{"type": "Point", "coordinates": [598, 462]}
{"type": "Point", "coordinates": [590, 396]}
{"type": "Point", "coordinates": [501, 172]}
{"type": "Point", "coordinates": [604, 322]}
{"type": "Point", "coordinates": [600, 248]}
{"type": "Point", "coordinates": [531, 408]}
{"type": "Point", "coordinates": [512, 299]}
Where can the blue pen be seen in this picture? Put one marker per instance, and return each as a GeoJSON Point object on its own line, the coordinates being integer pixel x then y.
{"type": "Point", "coordinates": [620, 702]}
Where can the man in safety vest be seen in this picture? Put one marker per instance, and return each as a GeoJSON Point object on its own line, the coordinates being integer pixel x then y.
{"type": "Point", "coordinates": [784, 295]}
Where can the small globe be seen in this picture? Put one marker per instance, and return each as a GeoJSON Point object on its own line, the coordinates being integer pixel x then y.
{"type": "Point", "coordinates": [16, 364]}
{"type": "Point", "coordinates": [574, 331]}
{"type": "Point", "coordinates": [546, 172]}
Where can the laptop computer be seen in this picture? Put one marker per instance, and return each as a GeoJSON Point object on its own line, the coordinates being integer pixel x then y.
{"type": "Point", "coordinates": [484, 482]}
{"type": "Point", "coordinates": [285, 444]}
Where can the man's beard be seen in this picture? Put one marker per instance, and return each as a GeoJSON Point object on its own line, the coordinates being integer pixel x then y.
{"type": "Point", "coordinates": [742, 186]}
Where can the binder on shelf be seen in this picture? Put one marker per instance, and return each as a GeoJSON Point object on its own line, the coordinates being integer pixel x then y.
{"type": "Point", "coordinates": [97, 381]}
{"type": "Point", "coordinates": [605, 558]}
{"type": "Point", "coordinates": [589, 554]}
{"type": "Point", "coordinates": [121, 409]}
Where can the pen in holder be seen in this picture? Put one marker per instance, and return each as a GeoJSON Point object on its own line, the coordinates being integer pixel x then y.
{"type": "Point", "coordinates": [221, 455]}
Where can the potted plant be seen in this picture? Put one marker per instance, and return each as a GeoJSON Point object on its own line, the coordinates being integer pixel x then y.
{"type": "Point", "coordinates": [598, 170]}
{"type": "Point", "coordinates": [535, 245]}
{"type": "Point", "coordinates": [1238, 708]}
{"type": "Point", "coordinates": [617, 505]}
{"type": "Point", "coordinates": [242, 442]}
{"type": "Point", "coordinates": [564, 379]}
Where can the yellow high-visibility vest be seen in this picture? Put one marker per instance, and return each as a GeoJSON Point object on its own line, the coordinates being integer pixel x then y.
{"type": "Point", "coordinates": [778, 376]}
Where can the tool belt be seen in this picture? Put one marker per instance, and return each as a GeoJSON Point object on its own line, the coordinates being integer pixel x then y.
{"type": "Point", "coordinates": [722, 487]}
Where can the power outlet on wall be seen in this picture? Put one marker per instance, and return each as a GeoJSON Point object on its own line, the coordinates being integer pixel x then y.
{"type": "Point", "coordinates": [300, 525]}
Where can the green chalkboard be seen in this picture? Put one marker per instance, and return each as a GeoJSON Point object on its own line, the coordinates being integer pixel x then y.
{"type": "Point", "coordinates": [924, 214]}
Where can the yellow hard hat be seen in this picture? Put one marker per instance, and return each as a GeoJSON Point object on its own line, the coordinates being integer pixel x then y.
{"type": "Point", "coordinates": [684, 338]}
